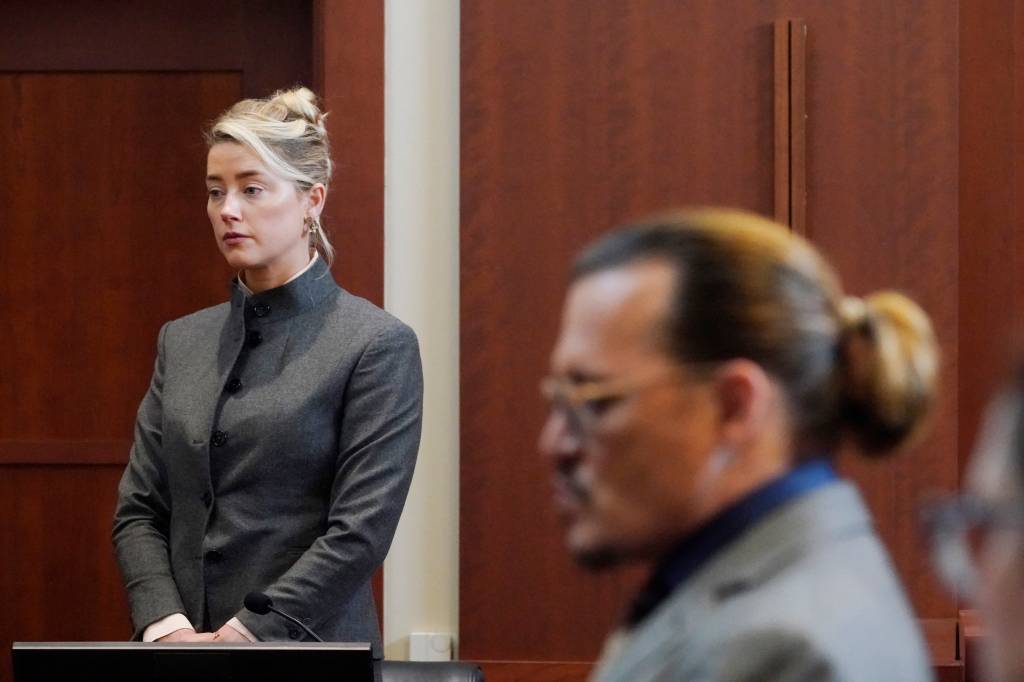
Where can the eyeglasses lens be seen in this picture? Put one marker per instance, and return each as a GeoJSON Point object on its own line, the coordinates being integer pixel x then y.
{"type": "Point", "coordinates": [954, 559]}
{"type": "Point", "coordinates": [959, 530]}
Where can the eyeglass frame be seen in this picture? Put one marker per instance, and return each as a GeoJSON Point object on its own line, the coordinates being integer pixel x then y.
{"type": "Point", "coordinates": [573, 398]}
{"type": "Point", "coordinates": [963, 509]}
{"type": "Point", "coordinates": [947, 522]}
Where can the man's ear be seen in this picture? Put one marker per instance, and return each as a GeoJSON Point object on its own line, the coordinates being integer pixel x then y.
{"type": "Point", "coordinates": [746, 398]}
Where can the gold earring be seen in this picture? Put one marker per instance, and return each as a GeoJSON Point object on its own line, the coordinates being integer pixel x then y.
{"type": "Point", "coordinates": [314, 225]}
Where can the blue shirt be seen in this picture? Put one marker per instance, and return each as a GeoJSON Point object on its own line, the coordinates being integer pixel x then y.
{"type": "Point", "coordinates": [698, 547]}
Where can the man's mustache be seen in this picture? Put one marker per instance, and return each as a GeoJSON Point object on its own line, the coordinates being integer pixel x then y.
{"type": "Point", "coordinates": [570, 478]}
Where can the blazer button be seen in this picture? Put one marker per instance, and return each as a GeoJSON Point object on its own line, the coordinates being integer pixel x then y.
{"type": "Point", "coordinates": [234, 386]}
{"type": "Point", "coordinates": [293, 633]}
{"type": "Point", "coordinates": [218, 439]}
{"type": "Point", "coordinates": [261, 310]}
{"type": "Point", "coordinates": [253, 338]}
{"type": "Point", "coordinates": [213, 556]}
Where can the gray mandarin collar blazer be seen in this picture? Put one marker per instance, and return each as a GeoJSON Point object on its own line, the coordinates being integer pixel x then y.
{"type": "Point", "coordinates": [273, 451]}
{"type": "Point", "coordinates": [807, 594]}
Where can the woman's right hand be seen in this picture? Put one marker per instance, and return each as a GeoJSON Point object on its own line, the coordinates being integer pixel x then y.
{"type": "Point", "coordinates": [187, 635]}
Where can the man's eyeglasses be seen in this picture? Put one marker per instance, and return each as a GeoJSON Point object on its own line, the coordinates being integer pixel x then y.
{"type": "Point", "coordinates": [582, 403]}
{"type": "Point", "coordinates": [958, 529]}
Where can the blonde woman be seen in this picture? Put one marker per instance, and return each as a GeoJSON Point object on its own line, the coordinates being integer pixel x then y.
{"type": "Point", "coordinates": [274, 448]}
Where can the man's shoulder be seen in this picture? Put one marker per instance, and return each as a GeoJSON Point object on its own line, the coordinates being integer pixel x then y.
{"type": "Point", "coordinates": [761, 637]}
{"type": "Point", "coordinates": [796, 597]}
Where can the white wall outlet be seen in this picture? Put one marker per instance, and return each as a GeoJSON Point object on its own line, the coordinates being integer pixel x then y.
{"type": "Point", "coordinates": [430, 646]}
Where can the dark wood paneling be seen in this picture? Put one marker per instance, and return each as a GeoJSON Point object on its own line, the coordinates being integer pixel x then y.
{"type": "Point", "coordinates": [952, 671]}
{"type": "Point", "coordinates": [278, 44]}
{"type": "Point", "coordinates": [105, 238]}
{"type": "Point", "coordinates": [882, 172]}
{"type": "Point", "coordinates": [349, 67]}
{"type": "Point", "coordinates": [270, 42]}
{"type": "Point", "coordinates": [579, 115]}
{"type": "Point", "coordinates": [64, 451]}
{"type": "Point", "coordinates": [789, 62]}
{"type": "Point", "coordinates": [534, 671]}
{"type": "Point", "coordinates": [972, 644]}
{"type": "Point", "coordinates": [108, 35]}
{"type": "Point", "coordinates": [555, 671]}
{"type": "Point", "coordinates": [575, 116]}
{"type": "Point", "coordinates": [58, 576]}
{"type": "Point", "coordinates": [990, 219]}
{"type": "Point", "coordinates": [1018, 159]}
{"type": "Point", "coordinates": [350, 79]}
{"type": "Point", "coordinates": [940, 636]}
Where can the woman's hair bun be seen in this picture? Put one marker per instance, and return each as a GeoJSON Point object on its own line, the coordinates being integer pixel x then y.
{"type": "Point", "coordinates": [889, 361]}
{"type": "Point", "coordinates": [299, 103]}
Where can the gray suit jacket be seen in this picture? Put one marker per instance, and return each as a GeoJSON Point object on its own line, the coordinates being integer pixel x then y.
{"type": "Point", "coordinates": [273, 451]}
{"type": "Point", "coordinates": [807, 594]}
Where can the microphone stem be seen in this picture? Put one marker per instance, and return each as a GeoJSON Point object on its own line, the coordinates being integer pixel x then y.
{"type": "Point", "coordinates": [298, 622]}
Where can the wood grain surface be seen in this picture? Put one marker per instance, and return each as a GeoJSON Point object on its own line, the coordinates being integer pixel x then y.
{"type": "Point", "coordinates": [991, 274]}
{"type": "Point", "coordinates": [59, 577]}
{"type": "Point", "coordinates": [268, 42]}
{"type": "Point", "coordinates": [349, 77]}
{"type": "Point", "coordinates": [103, 237]}
{"type": "Point", "coordinates": [577, 116]}
{"type": "Point", "coordinates": [350, 80]}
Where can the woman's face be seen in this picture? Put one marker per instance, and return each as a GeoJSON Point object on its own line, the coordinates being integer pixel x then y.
{"type": "Point", "coordinates": [995, 479]}
{"type": "Point", "coordinates": [258, 216]}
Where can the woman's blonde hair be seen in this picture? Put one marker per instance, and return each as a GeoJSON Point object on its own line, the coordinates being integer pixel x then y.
{"type": "Point", "coordinates": [749, 288]}
{"type": "Point", "coordinates": [287, 132]}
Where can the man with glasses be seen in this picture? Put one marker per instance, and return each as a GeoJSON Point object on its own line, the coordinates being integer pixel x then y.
{"type": "Point", "coordinates": [707, 366]}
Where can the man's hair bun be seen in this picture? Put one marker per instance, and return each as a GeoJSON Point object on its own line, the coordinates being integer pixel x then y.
{"type": "Point", "coordinates": [889, 360]}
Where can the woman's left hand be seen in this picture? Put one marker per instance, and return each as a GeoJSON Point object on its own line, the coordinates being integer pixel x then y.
{"type": "Point", "coordinates": [229, 634]}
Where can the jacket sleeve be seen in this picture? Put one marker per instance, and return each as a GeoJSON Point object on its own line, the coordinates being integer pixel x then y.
{"type": "Point", "coordinates": [379, 437]}
{"type": "Point", "coordinates": [142, 517]}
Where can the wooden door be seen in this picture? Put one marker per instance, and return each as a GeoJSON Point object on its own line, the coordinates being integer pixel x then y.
{"type": "Point", "coordinates": [577, 116]}
{"type": "Point", "coordinates": [103, 237]}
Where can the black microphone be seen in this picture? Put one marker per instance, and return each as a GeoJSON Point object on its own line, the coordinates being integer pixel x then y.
{"type": "Point", "coordinates": [261, 603]}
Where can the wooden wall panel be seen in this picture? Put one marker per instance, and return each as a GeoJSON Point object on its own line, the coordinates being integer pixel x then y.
{"type": "Point", "coordinates": [268, 42]}
{"type": "Point", "coordinates": [575, 116]}
{"type": "Point", "coordinates": [350, 79]}
{"type": "Point", "coordinates": [543, 671]}
{"type": "Point", "coordinates": [103, 237]}
{"type": "Point", "coordinates": [555, 671]}
{"type": "Point", "coordinates": [579, 115]}
{"type": "Point", "coordinates": [1018, 158]}
{"type": "Point", "coordinates": [989, 194]}
{"type": "Point", "coordinates": [59, 578]}
{"type": "Point", "coordinates": [882, 206]}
